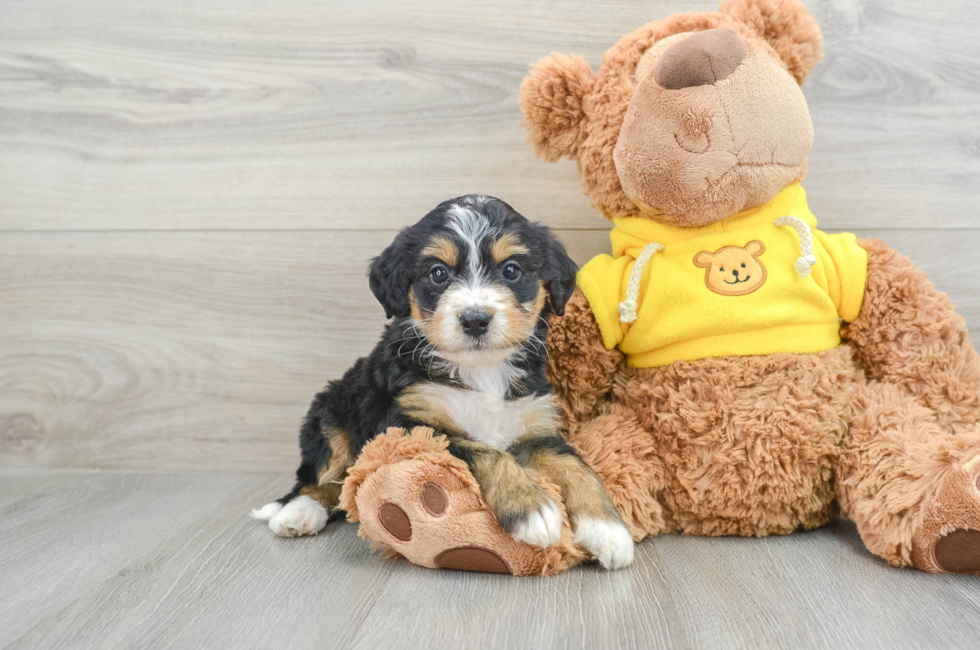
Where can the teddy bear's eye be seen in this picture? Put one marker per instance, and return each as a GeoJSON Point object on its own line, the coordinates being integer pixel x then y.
{"type": "Point", "coordinates": [743, 265]}
{"type": "Point", "coordinates": [722, 269]}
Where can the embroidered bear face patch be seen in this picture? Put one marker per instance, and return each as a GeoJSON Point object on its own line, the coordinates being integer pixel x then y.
{"type": "Point", "coordinates": [733, 270]}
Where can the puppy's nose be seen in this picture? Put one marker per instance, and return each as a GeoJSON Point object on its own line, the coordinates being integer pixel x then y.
{"type": "Point", "coordinates": [700, 59]}
{"type": "Point", "coordinates": [475, 323]}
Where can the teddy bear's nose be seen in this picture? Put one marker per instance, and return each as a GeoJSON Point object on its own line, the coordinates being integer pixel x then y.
{"type": "Point", "coordinates": [700, 59]}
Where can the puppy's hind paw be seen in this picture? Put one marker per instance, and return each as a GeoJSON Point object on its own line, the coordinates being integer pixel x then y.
{"type": "Point", "coordinates": [266, 512]}
{"type": "Point", "coordinates": [608, 541]}
{"type": "Point", "coordinates": [301, 516]}
{"type": "Point", "coordinates": [541, 527]}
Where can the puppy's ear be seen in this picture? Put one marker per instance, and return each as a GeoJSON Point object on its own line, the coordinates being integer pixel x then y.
{"type": "Point", "coordinates": [390, 276]}
{"type": "Point", "coordinates": [558, 272]}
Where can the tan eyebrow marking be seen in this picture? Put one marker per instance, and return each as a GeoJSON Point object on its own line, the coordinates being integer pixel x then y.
{"type": "Point", "coordinates": [507, 246]}
{"type": "Point", "coordinates": [443, 248]}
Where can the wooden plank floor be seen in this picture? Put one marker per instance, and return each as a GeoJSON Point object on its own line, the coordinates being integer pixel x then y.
{"type": "Point", "coordinates": [139, 560]}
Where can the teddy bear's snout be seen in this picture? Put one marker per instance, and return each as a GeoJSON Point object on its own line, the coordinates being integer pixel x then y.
{"type": "Point", "coordinates": [700, 59]}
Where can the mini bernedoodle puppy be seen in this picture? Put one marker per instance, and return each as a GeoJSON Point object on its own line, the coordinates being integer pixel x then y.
{"type": "Point", "coordinates": [470, 287]}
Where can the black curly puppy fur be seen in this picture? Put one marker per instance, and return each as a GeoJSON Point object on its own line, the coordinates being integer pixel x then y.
{"type": "Point", "coordinates": [470, 288]}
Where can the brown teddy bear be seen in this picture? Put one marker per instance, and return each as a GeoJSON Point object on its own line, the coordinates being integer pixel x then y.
{"type": "Point", "coordinates": [730, 369]}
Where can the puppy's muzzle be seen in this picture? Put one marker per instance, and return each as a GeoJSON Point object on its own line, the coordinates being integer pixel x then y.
{"type": "Point", "coordinates": [475, 323]}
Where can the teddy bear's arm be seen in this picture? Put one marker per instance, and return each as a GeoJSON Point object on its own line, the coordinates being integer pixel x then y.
{"type": "Point", "coordinates": [580, 368]}
{"type": "Point", "coordinates": [908, 333]}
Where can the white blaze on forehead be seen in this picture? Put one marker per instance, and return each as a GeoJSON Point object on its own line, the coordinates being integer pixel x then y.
{"type": "Point", "coordinates": [472, 228]}
{"type": "Point", "coordinates": [476, 290]}
{"type": "Point", "coordinates": [475, 199]}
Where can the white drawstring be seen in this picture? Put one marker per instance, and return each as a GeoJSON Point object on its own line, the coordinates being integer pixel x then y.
{"type": "Point", "coordinates": [806, 260]}
{"type": "Point", "coordinates": [627, 308]}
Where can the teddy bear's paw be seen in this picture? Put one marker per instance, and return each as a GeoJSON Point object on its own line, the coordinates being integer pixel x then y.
{"type": "Point", "coordinates": [958, 551]}
{"type": "Point", "coordinates": [609, 542]}
{"type": "Point", "coordinates": [540, 527]}
{"type": "Point", "coordinates": [424, 512]}
{"type": "Point", "coordinates": [301, 516]}
{"type": "Point", "coordinates": [949, 539]}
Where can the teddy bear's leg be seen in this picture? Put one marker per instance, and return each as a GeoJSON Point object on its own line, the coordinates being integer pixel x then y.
{"type": "Point", "coordinates": [909, 470]}
{"type": "Point", "coordinates": [621, 452]}
{"type": "Point", "coordinates": [580, 368]}
{"type": "Point", "coordinates": [413, 497]}
{"type": "Point", "coordinates": [908, 334]}
{"type": "Point", "coordinates": [910, 485]}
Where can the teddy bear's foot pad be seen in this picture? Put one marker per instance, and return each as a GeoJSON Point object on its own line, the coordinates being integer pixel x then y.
{"type": "Point", "coordinates": [435, 501]}
{"type": "Point", "coordinates": [958, 552]}
{"type": "Point", "coordinates": [472, 558]}
{"type": "Point", "coordinates": [424, 512]}
{"type": "Point", "coordinates": [395, 521]}
{"type": "Point", "coordinates": [413, 497]}
{"type": "Point", "coordinates": [948, 540]}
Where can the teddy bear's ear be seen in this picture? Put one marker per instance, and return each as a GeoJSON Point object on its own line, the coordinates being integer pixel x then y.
{"type": "Point", "coordinates": [755, 248]}
{"type": "Point", "coordinates": [788, 28]}
{"type": "Point", "coordinates": [551, 100]}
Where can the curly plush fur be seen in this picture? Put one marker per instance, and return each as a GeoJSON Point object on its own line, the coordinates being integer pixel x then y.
{"type": "Point", "coordinates": [396, 467]}
{"type": "Point", "coordinates": [788, 28]}
{"type": "Point", "coordinates": [553, 105]}
{"type": "Point", "coordinates": [886, 426]}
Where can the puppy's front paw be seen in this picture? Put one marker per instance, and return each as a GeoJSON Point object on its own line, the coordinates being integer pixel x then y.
{"type": "Point", "coordinates": [608, 541]}
{"type": "Point", "coordinates": [540, 527]}
{"type": "Point", "coordinates": [301, 516]}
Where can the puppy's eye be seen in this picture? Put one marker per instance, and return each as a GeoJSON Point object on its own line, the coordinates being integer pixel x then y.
{"type": "Point", "coordinates": [511, 271]}
{"type": "Point", "coordinates": [438, 274]}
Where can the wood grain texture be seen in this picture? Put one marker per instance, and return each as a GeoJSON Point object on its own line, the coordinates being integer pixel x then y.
{"type": "Point", "coordinates": [189, 194]}
{"type": "Point", "coordinates": [301, 114]}
{"type": "Point", "coordinates": [178, 350]}
{"type": "Point", "coordinates": [110, 559]}
{"type": "Point", "coordinates": [183, 350]}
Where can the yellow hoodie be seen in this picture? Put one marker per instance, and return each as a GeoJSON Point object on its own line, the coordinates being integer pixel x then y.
{"type": "Point", "coordinates": [741, 286]}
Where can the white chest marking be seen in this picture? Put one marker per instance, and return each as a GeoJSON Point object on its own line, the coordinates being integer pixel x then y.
{"type": "Point", "coordinates": [488, 418]}
{"type": "Point", "coordinates": [479, 409]}
{"type": "Point", "coordinates": [494, 380]}
{"type": "Point", "coordinates": [483, 416]}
